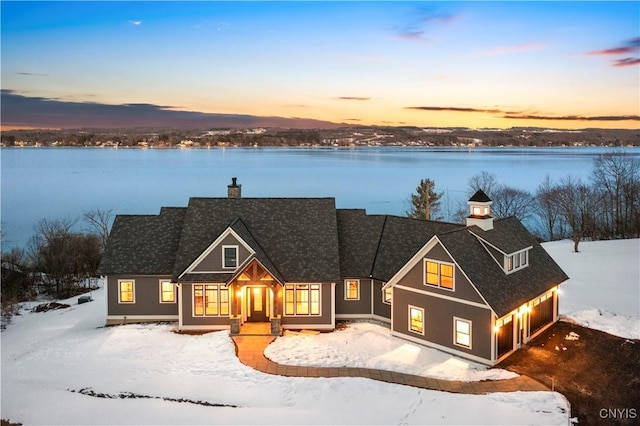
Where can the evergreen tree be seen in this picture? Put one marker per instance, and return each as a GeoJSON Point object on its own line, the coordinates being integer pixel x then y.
{"type": "Point", "coordinates": [423, 206]}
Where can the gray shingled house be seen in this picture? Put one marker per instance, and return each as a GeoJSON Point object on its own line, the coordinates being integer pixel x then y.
{"type": "Point", "coordinates": [479, 291]}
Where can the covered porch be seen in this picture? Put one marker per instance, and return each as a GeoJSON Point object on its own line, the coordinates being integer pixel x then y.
{"type": "Point", "coordinates": [256, 302]}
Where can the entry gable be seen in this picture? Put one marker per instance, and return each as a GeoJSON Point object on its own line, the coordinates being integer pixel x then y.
{"type": "Point", "coordinates": [224, 255]}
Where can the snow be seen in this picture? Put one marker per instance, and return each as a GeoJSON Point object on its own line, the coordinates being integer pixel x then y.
{"type": "Point", "coordinates": [603, 291]}
{"type": "Point", "coordinates": [366, 345]}
{"type": "Point", "coordinates": [49, 358]}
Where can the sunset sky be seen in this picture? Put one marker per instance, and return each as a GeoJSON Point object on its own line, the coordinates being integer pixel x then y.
{"type": "Point", "coordinates": [428, 64]}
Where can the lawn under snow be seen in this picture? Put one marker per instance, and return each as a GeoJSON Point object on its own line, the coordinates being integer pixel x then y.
{"type": "Point", "coordinates": [366, 345]}
{"type": "Point", "coordinates": [603, 291]}
{"type": "Point", "coordinates": [47, 358]}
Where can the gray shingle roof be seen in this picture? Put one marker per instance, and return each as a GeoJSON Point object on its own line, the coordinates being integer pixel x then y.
{"type": "Point", "coordinates": [504, 292]}
{"type": "Point", "coordinates": [358, 236]}
{"type": "Point", "coordinates": [143, 244]}
{"type": "Point", "coordinates": [299, 235]}
{"type": "Point", "coordinates": [480, 197]}
{"type": "Point", "coordinates": [401, 239]}
{"type": "Point", "coordinates": [508, 237]}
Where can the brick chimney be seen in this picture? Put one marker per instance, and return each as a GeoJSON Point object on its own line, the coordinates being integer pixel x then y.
{"type": "Point", "coordinates": [234, 190]}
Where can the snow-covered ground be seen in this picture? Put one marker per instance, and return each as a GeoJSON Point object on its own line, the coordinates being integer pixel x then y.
{"type": "Point", "coordinates": [368, 345]}
{"type": "Point", "coordinates": [603, 291]}
{"type": "Point", "coordinates": [48, 358]}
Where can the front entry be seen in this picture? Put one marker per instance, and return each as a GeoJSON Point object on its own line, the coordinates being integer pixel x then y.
{"type": "Point", "coordinates": [257, 304]}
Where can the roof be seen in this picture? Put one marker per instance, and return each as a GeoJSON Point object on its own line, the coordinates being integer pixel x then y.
{"type": "Point", "coordinates": [128, 247]}
{"type": "Point", "coordinates": [401, 239]}
{"type": "Point", "coordinates": [358, 237]}
{"type": "Point", "coordinates": [503, 292]}
{"type": "Point", "coordinates": [297, 236]}
{"type": "Point", "coordinates": [480, 197]}
{"type": "Point", "coordinates": [507, 236]}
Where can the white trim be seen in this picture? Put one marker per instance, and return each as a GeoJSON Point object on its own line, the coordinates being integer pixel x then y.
{"type": "Point", "coordinates": [295, 302]}
{"type": "Point", "coordinates": [520, 266]}
{"type": "Point", "coordinates": [219, 288]}
{"type": "Point", "coordinates": [213, 327]}
{"type": "Point", "coordinates": [455, 333]}
{"type": "Point", "coordinates": [346, 290]}
{"type": "Point", "coordinates": [309, 326]}
{"type": "Point", "coordinates": [446, 349]}
{"type": "Point", "coordinates": [175, 292]}
{"type": "Point", "coordinates": [390, 302]}
{"type": "Point", "coordinates": [420, 255]}
{"type": "Point", "coordinates": [443, 296]}
{"type": "Point", "coordinates": [133, 291]}
{"type": "Point", "coordinates": [372, 297]}
{"type": "Point", "coordinates": [333, 305]}
{"type": "Point", "coordinates": [212, 247]}
{"type": "Point", "coordinates": [237, 249]}
{"type": "Point", "coordinates": [363, 317]}
{"type": "Point", "coordinates": [439, 263]}
{"type": "Point", "coordinates": [409, 329]}
{"type": "Point", "coordinates": [180, 318]}
{"type": "Point", "coordinates": [141, 318]}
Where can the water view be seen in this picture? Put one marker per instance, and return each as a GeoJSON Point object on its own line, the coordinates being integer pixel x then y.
{"type": "Point", "coordinates": [64, 182]}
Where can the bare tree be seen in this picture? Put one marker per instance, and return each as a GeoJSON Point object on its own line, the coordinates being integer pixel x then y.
{"type": "Point", "coordinates": [99, 222]}
{"type": "Point", "coordinates": [616, 176]}
{"type": "Point", "coordinates": [486, 181]}
{"type": "Point", "coordinates": [546, 205]}
{"type": "Point", "coordinates": [579, 205]}
{"type": "Point", "coordinates": [509, 201]}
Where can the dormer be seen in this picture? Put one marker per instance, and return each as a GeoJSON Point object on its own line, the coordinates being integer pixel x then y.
{"type": "Point", "coordinates": [480, 211]}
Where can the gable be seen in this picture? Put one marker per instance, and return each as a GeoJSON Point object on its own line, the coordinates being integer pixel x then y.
{"type": "Point", "coordinates": [211, 260]}
{"type": "Point", "coordinates": [504, 292]}
{"type": "Point", "coordinates": [412, 275]}
{"type": "Point", "coordinates": [295, 237]}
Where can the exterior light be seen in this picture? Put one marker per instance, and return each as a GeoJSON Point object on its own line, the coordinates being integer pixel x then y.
{"type": "Point", "coordinates": [256, 291]}
{"type": "Point", "coordinates": [497, 328]}
{"type": "Point", "coordinates": [239, 293]}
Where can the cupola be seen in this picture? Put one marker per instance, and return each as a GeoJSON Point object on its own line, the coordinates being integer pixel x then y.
{"type": "Point", "coordinates": [480, 211]}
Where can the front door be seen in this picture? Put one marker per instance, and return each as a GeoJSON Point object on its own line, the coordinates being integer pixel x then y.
{"type": "Point", "coordinates": [257, 304]}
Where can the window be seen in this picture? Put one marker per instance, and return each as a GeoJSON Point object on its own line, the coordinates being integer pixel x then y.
{"type": "Point", "coordinates": [439, 274]}
{"type": "Point", "coordinates": [302, 299]}
{"type": "Point", "coordinates": [416, 319]}
{"type": "Point", "coordinates": [516, 261]}
{"type": "Point", "coordinates": [167, 292]}
{"type": "Point", "coordinates": [210, 300]}
{"type": "Point", "coordinates": [462, 332]}
{"type": "Point", "coordinates": [126, 291]}
{"type": "Point", "coordinates": [386, 297]}
{"type": "Point", "coordinates": [229, 257]}
{"type": "Point", "coordinates": [352, 289]}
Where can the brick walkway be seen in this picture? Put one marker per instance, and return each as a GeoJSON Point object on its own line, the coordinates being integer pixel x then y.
{"type": "Point", "coordinates": [250, 351]}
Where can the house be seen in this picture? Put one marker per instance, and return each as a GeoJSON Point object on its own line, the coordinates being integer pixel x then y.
{"type": "Point", "coordinates": [479, 290]}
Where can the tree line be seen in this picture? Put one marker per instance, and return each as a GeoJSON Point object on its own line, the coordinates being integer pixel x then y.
{"type": "Point", "coordinates": [606, 206]}
{"type": "Point", "coordinates": [60, 257]}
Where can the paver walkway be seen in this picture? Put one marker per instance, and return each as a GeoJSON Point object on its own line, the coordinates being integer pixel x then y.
{"type": "Point", "coordinates": [250, 351]}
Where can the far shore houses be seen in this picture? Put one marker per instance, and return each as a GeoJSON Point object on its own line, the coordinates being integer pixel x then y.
{"type": "Point", "coordinates": [479, 290]}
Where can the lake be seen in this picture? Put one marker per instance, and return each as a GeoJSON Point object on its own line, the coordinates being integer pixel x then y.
{"type": "Point", "coordinates": [64, 182]}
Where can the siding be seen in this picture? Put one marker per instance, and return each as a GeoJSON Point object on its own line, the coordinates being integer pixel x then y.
{"type": "Point", "coordinates": [438, 321]}
{"type": "Point", "coordinates": [325, 310]}
{"type": "Point", "coordinates": [213, 261]}
{"type": "Point", "coordinates": [379, 307]}
{"type": "Point", "coordinates": [147, 297]}
{"type": "Point", "coordinates": [186, 300]}
{"type": "Point", "coordinates": [462, 287]}
{"type": "Point", "coordinates": [354, 307]}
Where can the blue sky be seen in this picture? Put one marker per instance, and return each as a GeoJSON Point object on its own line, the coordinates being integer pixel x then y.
{"type": "Point", "coordinates": [475, 64]}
